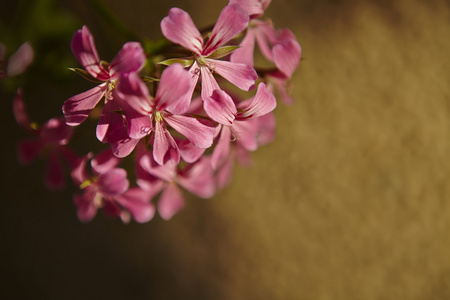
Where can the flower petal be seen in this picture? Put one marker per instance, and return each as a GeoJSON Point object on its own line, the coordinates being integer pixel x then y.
{"type": "Point", "coordinates": [164, 148]}
{"type": "Point", "coordinates": [86, 209]}
{"type": "Point", "coordinates": [174, 84]}
{"type": "Point", "coordinates": [245, 133]}
{"type": "Point", "coordinates": [121, 144]}
{"type": "Point", "coordinates": [225, 172]}
{"type": "Point", "coordinates": [137, 202]}
{"type": "Point", "coordinates": [232, 20]}
{"type": "Point", "coordinates": [220, 107]}
{"type": "Point", "coordinates": [77, 108]}
{"type": "Point", "coordinates": [56, 132]}
{"type": "Point", "coordinates": [83, 47]}
{"type": "Point", "coordinates": [286, 56]}
{"type": "Point", "coordinates": [254, 8]}
{"type": "Point", "coordinates": [188, 151]}
{"type": "Point", "coordinates": [197, 133]}
{"type": "Point", "coordinates": [20, 112]}
{"type": "Point", "coordinates": [245, 53]}
{"type": "Point", "coordinates": [131, 58]}
{"type": "Point", "coordinates": [170, 202]}
{"type": "Point", "coordinates": [28, 150]}
{"type": "Point", "coordinates": [199, 179]}
{"type": "Point", "coordinates": [261, 104]}
{"type": "Point", "coordinates": [222, 149]}
{"type": "Point", "coordinates": [209, 83]}
{"type": "Point", "coordinates": [242, 76]}
{"type": "Point", "coordinates": [19, 61]}
{"type": "Point", "coordinates": [113, 182]}
{"type": "Point", "coordinates": [110, 120]}
{"type": "Point", "coordinates": [179, 28]}
{"type": "Point", "coordinates": [104, 161]}
{"type": "Point", "coordinates": [133, 92]}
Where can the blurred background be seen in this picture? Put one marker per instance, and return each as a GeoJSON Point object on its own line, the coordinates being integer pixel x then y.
{"type": "Point", "coordinates": [351, 201]}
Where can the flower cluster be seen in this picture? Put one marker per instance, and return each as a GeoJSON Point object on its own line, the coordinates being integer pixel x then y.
{"type": "Point", "coordinates": [184, 114]}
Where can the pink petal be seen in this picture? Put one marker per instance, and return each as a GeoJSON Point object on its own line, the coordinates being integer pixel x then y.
{"type": "Point", "coordinates": [253, 8]}
{"type": "Point", "coordinates": [222, 149]}
{"type": "Point", "coordinates": [54, 178]}
{"type": "Point", "coordinates": [188, 151]}
{"type": "Point", "coordinates": [225, 172]}
{"type": "Point", "coordinates": [86, 209]}
{"type": "Point", "coordinates": [104, 161]}
{"type": "Point", "coordinates": [20, 112]}
{"type": "Point", "coordinates": [165, 172]}
{"type": "Point", "coordinates": [79, 173]}
{"type": "Point", "coordinates": [245, 133]}
{"type": "Point", "coordinates": [133, 92]}
{"type": "Point", "coordinates": [170, 202]}
{"type": "Point", "coordinates": [19, 61]}
{"type": "Point", "coordinates": [245, 53]}
{"type": "Point", "coordinates": [120, 143]}
{"type": "Point", "coordinates": [83, 47]}
{"type": "Point", "coordinates": [179, 28]}
{"type": "Point", "coordinates": [280, 82]}
{"type": "Point", "coordinates": [110, 121]}
{"type": "Point", "coordinates": [266, 133]}
{"type": "Point", "coordinates": [56, 132]}
{"type": "Point", "coordinates": [131, 58]}
{"type": "Point", "coordinates": [209, 83]}
{"type": "Point", "coordinates": [137, 202]}
{"type": "Point", "coordinates": [174, 84]}
{"type": "Point", "coordinates": [77, 108]}
{"type": "Point", "coordinates": [232, 21]}
{"type": "Point", "coordinates": [197, 133]}
{"type": "Point", "coordinates": [28, 150]}
{"type": "Point", "coordinates": [220, 107]}
{"type": "Point", "coordinates": [261, 104]}
{"type": "Point", "coordinates": [264, 33]}
{"type": "Point", "coordinates": [112, 183]}
{"type": "Point", "coordinates": [286, 56]}
{"type": "Point", "coordinates": [199, 179]}
{"type": "Point", "coordinates": [164, 147]}
{"type": "Point", "coordinates": [242, 76]}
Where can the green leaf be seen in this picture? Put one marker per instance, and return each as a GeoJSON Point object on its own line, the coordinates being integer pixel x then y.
{"type": "Point", "coordinates": [85, 74]}
{"type": "Point", "coordinates": [186, 62]}
{"type": "Point", "coordinates": [222, 51]}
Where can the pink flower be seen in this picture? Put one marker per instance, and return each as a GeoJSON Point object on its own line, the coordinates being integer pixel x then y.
{"type": "Point", "coordinates": [179, 28]}
{"type": "Point", "coordinates": [130, 59]}
{"type": "Point", "coordinates": [244, 130]}
{"type": "Point", "coordinates": [164, 109]}
{"type": "Point", "coordinates": [51, 138]}
{"type": "Point", "coordinates": [197, 178]}
{"type": "Point", "coordinates": [280, 47]}
{"type": "Point", "coordinates": [109, 189]}
{"type": "Point", "coordinates": [255, 8]}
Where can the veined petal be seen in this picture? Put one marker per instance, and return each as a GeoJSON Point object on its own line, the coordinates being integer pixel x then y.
{"type": "Point", "coordinates": [137, 202]}
{"type": "Point", "coordinates": [179, 28]}
{"type": "Point", "coordinates": [241, 75]}
{"type": "Point", "coordinates": [83, 47]}
{"type": "Point", "coordinates": [286, 56]}
{"type": "Point", "coordinates": [104, 161]}
{"type": "Point", "coordinates": [261, 104]}
{"type": "Point", "coordinates": [245, 133]}
{"type": "Point", "coordinates": [131, 58]}
{"type": "Point", "coordinates": [197, 133]}
{"type": "Point", "coordinates": [164, 148]}
{"type": "Point", "coordinates": [77, 108]}
{"type": "Point", "coordinates": [183, 103]}
{"type": "Point", "coordinates": [113, 182]}
{"type": "Point", "coordinates": [121, 144]}
{"type": "Point", "coordinates": [245, 53]}
{"type": "Point", "coordinates": [165, 172]}
{"type": "Point", "coordinates": [209, 83]}
{"type": "Point", "coordinates": [133, 92]}
{"type": "Point", "coordinates": [220, 107]}
{"type": "Point", "coordinates": [232, 20]}
{"type": "Point", "coordinates": [110, 120]}
{"type": "Point", "coordinates": [174, 84]}
{"type": "Point", "coordinates": [20, 60]}
{"type": "Point", "coordinates": [54, 176]}
{"type": "Point", "coordinates": [170, 202]}
{"type": "Point", "coordinates": [222, 149]}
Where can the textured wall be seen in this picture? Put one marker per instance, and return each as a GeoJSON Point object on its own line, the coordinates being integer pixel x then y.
{"type": "Point", "coordinates": [351, 201]}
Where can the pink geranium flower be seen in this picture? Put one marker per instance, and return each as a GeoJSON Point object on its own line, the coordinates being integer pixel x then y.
{"type": "Point", "coordinates": [164, 109]}
{"type": "Point", "coordinates": [244, 130]}
{"type": "Point", "coordinates": [108, 188]}
{"type": "Point", "coordinates": [50, 139]}
{"type": "Point", "coordinates": [197, 178]}
{"type": "Point", "coordinates": [18, 62]}
{"type": "Point", "coordinates": [130, 59]}
{"type": "Point", "coordinates": [179, 28]}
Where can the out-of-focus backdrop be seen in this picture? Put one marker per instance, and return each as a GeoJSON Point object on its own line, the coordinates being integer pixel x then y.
{"type": "Point", "coordinates": [351, 201]}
